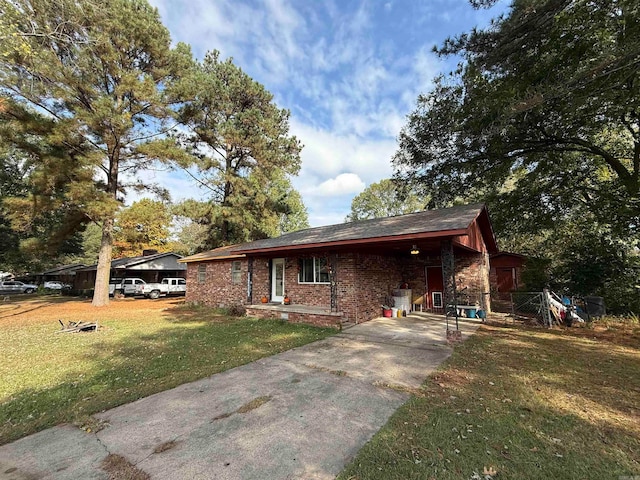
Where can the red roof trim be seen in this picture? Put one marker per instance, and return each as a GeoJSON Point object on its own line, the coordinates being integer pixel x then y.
{"type": "Point", "coordinates": [458, 244]}
{"type": "Point", "coordinates": [358, 241]}
{"type": "Point", "coordinates": [210, 259]}
{"type": "Point", "coordinates": [492, 244]}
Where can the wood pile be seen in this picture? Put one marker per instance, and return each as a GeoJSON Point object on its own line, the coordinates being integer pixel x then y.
{"type": "Point", "coordinates": [75, 327]}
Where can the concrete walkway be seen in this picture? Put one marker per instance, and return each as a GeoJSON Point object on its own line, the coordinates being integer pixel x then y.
{"type": "Point", "coordinates": [303, 413]}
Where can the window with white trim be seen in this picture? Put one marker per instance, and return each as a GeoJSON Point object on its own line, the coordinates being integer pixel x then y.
{"type": "Point", "coordinates": [202, 273]}
{"type": "Point", "coordinates": [236, 272]}
{"type": "Point", "coordinates": [314, 270]}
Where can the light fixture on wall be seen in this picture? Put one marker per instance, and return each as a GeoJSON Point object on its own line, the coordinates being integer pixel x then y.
{"type": "Point", "coordinates": [414, 250]}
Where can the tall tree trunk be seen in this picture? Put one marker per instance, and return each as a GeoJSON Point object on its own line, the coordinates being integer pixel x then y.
{"type": "Point", "coordinates": [225, 228]}
{"type": "Point", "coordinates": [103, 272]}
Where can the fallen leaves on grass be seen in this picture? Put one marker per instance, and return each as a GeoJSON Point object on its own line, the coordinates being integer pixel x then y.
{"type": "Point", "coordinates": [537, 403]}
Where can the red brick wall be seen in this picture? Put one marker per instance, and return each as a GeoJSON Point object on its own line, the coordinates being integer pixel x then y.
{"type": "Point", "coordinates": [346, 286]}
{"type": "Point", "coordinates": [260, 279]}
{"type": "Point", "coordinates": [364, 282]}
{"type": "Point", "coordinates": [372, 280]}
{"type": "Point", "coordinates": [414, 275]}
{"type": "Point", "coordinates": [472, 272]}
{"type": "Point", "coordinates": [318, 295]}
{"type": "Point", "coordinates": [217, 290]}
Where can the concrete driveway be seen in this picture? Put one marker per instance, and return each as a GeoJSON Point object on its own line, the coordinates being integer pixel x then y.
{"type": "Point", "coordinates": [303, 413]}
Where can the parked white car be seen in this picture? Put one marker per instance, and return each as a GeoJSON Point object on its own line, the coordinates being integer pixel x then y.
{"type": "Point", "coordinates": [55, 285]}
{"type": "Point", "coordinates": [14, 286]}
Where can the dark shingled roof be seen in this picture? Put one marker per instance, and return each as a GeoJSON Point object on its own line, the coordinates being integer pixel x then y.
{"type": "Point", "coordinates": [64, 269]}
{"type": "Point", "coordinates": [127, 262]}
{"type": "Point", "coordinates": [456, 218]}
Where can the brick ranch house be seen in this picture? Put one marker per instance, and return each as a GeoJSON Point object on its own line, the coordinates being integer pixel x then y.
{"type": "Point", "coordinates": [344, 273]}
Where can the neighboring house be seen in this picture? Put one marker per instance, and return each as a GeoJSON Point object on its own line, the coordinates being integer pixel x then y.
{"type": "Point", "coordinates": [506, 272]}
{"type": "Point", "coordinates": [64, 274]}
{"type": "Point", "coordinates": [151, 267]}
{"type": "Point", "coordinates": [345, 273]}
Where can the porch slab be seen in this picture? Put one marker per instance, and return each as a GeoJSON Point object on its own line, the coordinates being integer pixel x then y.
{"type": "Point", "coordinates": [384, 351]}
{"type": "Point", "coordinates": [310, 309]}
{"type": "Point", "coordinates": [320, 316]}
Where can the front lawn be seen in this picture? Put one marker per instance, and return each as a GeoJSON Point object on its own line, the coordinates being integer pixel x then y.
{"type": "Point", "coordinates": [143, 347]}
{"type": "Point", "coordinates": [519, 403]}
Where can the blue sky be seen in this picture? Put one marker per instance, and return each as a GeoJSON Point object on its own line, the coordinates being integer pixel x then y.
{"type": "Point", "coordinates": [348, 70]}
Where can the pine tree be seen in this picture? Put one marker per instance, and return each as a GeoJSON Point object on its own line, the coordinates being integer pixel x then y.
{"type": "Point", "coordinates": [102, 73]}
{"type": "Point", "coordinates": [242, 142]}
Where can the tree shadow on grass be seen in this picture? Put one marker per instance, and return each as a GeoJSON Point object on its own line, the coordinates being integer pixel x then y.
{"type": "Point", "coordinates": [604, 373]}
{"type": "Point", "coordinates": [19, 310]}
{"type": "Point", "coordinates": [136, 366]}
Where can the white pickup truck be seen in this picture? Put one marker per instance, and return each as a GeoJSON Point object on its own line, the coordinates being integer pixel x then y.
{"type": "Point", "coordinates": [124, 286]}
{"type": "Point", "coordinates": [168, 286]}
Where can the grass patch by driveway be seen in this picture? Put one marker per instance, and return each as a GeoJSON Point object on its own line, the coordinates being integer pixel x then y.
{"type": "Point", "coordinates": [143, 347]}
{"type": "Point", "coordinates": [519, 403]}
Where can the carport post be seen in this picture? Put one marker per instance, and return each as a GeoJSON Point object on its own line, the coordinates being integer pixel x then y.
{"type": "Point", "coordinates": [449, 279]}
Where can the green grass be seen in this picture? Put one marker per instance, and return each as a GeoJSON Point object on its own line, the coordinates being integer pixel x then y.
{"type": "Point", "coordinates": [522, 404]}
{"type": "Point", "coordinates": [50, 378]}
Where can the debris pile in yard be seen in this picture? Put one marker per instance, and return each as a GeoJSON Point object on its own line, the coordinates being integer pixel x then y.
{"type": "Point", "coordinates": [551, 309]}
{"type": "Point", "coordinates": [75, 327]}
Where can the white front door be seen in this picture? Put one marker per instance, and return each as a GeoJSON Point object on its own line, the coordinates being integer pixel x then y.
{"type": "Point", "coordinates": [277, 280]}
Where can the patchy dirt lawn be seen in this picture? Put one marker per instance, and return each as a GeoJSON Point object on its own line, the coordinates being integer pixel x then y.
{"type": "Point", "coordinates": [29, 310]}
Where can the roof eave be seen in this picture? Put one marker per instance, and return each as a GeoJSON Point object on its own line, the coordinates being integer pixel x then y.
{"type": "Point", "coordinates": [210, 259]}
{"type": "Point", "coordinates": [494, 255]}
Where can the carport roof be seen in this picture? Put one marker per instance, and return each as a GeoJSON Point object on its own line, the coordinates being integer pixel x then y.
{"type": "Point", "coordinates": [128, 262]}
{"type": "Point", "coordinates": [64, 269]}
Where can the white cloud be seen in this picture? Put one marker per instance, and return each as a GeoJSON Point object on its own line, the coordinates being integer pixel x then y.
{"type": "Point", "coordinates": [328, 155]}
{"type": "Point", "coordinates": [343, 184]}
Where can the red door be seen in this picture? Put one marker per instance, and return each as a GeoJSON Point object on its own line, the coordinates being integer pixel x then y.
{"type": "Point", "coordinates": [506, 279]}
{"type": "Point", "coordinates": [434, 284]}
